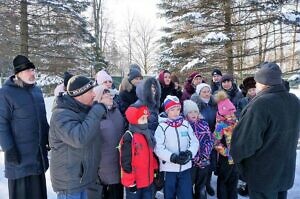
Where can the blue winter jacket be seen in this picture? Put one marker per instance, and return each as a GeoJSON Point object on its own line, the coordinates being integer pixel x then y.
{"type": "Point", "coordinates": [23, 124]}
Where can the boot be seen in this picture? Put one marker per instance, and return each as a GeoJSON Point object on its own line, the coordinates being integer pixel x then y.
{"type": "Point", "coordinates": [243, 190]}
{"type": "Point", "coordinates": [203, 194]}
{"type": "Point", "coordinates": [210, 191]}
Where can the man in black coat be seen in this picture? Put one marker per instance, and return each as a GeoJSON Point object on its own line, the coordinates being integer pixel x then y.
{"type": "Point", "coordinates": [24, 132]}
{"type": "Point", "coordinates": [264, 141]}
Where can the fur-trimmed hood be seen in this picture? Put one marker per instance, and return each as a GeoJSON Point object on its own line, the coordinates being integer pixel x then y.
{"type": "Point", "coordinates": [144, 93]}
{"type": "Point", "coordinates": [125, 85]}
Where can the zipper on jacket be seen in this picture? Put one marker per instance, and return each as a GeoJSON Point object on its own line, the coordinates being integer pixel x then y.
{"type": "Point", "coordinates": [178, 142]}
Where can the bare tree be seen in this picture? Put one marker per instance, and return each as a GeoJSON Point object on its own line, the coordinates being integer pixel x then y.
{"type": "Point", "coordinates": [24, 28]}
{"type": "Point", "coordinates": [145, 46]}
{"type": "Point", "coordinates": [128, 32]}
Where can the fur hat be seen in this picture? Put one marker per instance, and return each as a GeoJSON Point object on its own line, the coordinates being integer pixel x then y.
{"type": "Point", "coordinates": [193, 76]}
{"type": "Point", "coordinates": [79, 85]}
{"type": "Point", "coordinates": [225, 106]}
{"type": "Point", "coordinates": [171, 101]}
{"type": "Point", "coordinates": [134, 73]}
{"type": "Point", "coordinates": [133, 114]}
{"type": "Point", "coordinates": [226, 77]}
{"type": "Point", "coordinates": [216, 72]}
{"type": "Point", "coordinates": [269, 74]}
{"type": "Point", "coordinates": [248, 83]}
{"type": "Point", "coordinates": [21, 63]}
{"type": "Point", "coordinates": [188, 106]}
{"type": "Point", "coordinates": [201, 86]}
{"type": "Point", "coordinates": [102, 76]}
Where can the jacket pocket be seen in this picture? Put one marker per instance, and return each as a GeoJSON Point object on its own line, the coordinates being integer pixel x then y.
{"type": "Point", "coordinates": [82, 173]}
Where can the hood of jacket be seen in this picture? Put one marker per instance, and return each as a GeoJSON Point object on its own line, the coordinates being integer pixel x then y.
{"type": "Point", "coordinates": [144, 93]}
{"type": "Point", "coordinates": [67, 102]}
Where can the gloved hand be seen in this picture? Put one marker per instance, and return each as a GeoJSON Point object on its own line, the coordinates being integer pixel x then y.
{"type": "Point", "coordinates": [185, 156]}
{"type": "Point", "coordinates": [12, 156]}
{"type": "Point", "coordinates": [132, 188]}
{"type": "Point", "coordinates": [174, 158]}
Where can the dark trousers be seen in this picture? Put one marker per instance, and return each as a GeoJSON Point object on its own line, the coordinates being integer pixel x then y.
{"type": "Point", "coordinates": [141, 193]}
{"type": "Point", "coordinates": [199, 179]}
{"type": "Point", "coordinates": [29, 187]}
{"type": "Point", "coordinates": [112, 191]}
{"type": "Point", "coordinates": [227, 183]}
{"type": "Point", "coordinates": [178, 184]}
{"type": "Point", "coordinates": [268, 195]}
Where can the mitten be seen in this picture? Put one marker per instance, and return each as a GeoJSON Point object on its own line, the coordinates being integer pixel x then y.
{"type": "Point", "coordinates": [174, 158]}
{"type": "Point", "coordinates": [12, 156]}
{"type": "Point", "coordinates": [185, 157]}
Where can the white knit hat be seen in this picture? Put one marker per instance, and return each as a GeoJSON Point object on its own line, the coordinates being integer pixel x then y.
{"type": "Point", "coordinates": [188, 106]}
{"type": "Point", "coordinates": [201, 86]}
{"type": "Point", "coordinates": [102, 76]}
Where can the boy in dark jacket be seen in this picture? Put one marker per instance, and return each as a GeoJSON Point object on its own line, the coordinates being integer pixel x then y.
{"type": "Point", "coordinates": [137, 159]}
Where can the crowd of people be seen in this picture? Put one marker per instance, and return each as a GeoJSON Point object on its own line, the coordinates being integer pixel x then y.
{"type": "Point", "coordinates": [150, 135]}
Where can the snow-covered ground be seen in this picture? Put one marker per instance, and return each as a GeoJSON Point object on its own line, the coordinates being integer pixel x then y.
{"type": "Point", "coordinates": [294, 193]}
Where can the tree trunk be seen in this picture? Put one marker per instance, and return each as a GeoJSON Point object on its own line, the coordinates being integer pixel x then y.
{"type": "Point", "coordinates": [24, 28]}
{"type": "Point", "coordinates": [294, 41]}
{"type": "Point", "coordinates": [228, 31]}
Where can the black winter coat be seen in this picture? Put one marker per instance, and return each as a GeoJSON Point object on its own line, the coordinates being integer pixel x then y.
{"type": "Point", "coordinates": [168, 90]}
{"type": "Point", "coordinates": [265, 139]}
{"type": "Point", "coordinates": [23, 124]}
{"type": "Point", "coordinates": [74, 140]}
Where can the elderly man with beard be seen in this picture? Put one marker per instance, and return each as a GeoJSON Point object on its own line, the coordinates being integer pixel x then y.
{"type": "Point", "coordinates": [24, 132]}
{"type": "Point", "coordinates": [265, 139]}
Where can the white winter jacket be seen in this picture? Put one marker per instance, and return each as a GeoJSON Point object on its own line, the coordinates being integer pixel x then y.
{"type": "Point", "coordinates": [171, 140]}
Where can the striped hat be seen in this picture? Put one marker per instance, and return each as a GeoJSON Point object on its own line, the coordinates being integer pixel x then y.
{"type": "Point", "coordinates": [171, 101]}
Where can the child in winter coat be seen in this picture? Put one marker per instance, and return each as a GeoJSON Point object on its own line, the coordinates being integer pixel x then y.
{"type": "Point", "coordinates": [201, 162]}
{"type": "Point", "coordinates": [226, 169]}
{"type": "Point", "coordinates": [176, 145]}
{"type": "Point", "coordinates": [136, 155]}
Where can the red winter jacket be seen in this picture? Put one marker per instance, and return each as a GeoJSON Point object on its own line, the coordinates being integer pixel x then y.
{"type": "Point", "coordinates": [137, 161]}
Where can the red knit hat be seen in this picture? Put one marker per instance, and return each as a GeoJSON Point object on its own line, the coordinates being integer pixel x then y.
{"type": "Point", "coordinates": [193, 76]}
{"type": "Point", "coordinates": [133, 114]}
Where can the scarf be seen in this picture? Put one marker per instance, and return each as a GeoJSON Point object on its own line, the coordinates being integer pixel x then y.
{"type": "Point", "coordinates": [143, 129]}
{"type": "Point", "coordinates": [175, 122]}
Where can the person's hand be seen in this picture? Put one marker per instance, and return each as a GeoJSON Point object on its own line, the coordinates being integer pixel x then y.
{"type": "Point", "coordinates": [107, 100]}
{"type": "Point", "coordinates": [174, 158]}
{"type": "Point", "coordinates": [132, 188]}
{"type": "Point", "coordinates": [12, 156]}
{"type": "Point", "coordinates": [185, 156]}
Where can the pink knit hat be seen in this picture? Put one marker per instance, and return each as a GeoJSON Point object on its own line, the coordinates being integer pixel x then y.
{"type": "Point", "coordinates": [102, 76]}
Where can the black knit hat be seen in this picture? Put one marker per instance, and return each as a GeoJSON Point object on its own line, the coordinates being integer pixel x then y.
{"type": "Point", "coordinates": [134, 73]}
{"type": "Point", "coordinates": [67, 77]}
{"type": "Point", "coordinates": [79, 85]}
{"type": "Point", "coordinates": [216, 72]}
{"type": "Point", "coordinates": [269, 74]}
{"type": "Point", "coordinates": [21, 63]}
